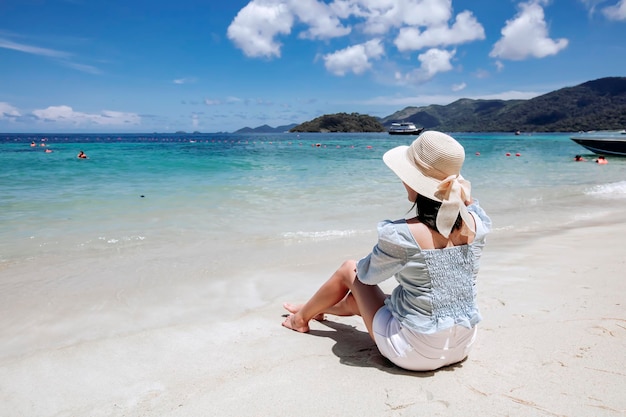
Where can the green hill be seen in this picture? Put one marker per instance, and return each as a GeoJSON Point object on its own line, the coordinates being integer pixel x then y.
{"type": "Point", "coordinates": [594, 105]}
{"type": "Point", "coordinates": [341, 122]}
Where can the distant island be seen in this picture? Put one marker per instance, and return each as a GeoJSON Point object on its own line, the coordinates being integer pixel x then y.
{"type": "Point", "coordinates": [594, 105]}
{"type": "Point", "coordinates": [267, 129]}
{"type": "Point", "coordinates": [341, 122]}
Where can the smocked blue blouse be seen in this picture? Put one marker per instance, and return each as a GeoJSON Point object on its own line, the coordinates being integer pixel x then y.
{"type": "Point", "coordinates": [436, 286]}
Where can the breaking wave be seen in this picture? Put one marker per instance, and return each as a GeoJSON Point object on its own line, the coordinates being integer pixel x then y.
{"type": "Point", "coordinates": [611, 190]}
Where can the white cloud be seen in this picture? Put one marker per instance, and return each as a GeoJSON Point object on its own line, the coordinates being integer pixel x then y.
{"type": "Point", "coordinates": [459, 87]}
{"type": "Point", "coordinates": [255, 28]}
{"type": "Point", "coordinates": [232, 100]}
{"type": "Point", "coordinates": [465, 29]}
{"type": "Point", "coordinates": [422, 24]}
{"type": "Point", "coordinates": [356, 58]}
{"type": "Point", "coordinates": [432, 62]}
{"type": "Point", "coordinates": [187, 80]}
{"type": "Point", "coordinates": [81, 67]}
{"type": "Point", "coordinates": [591, 4]}
{"type": "Point", "coordinates": [66, 115]}
{"type": "Point", "coordinates": [481, 74]}
{"type": "Point", "coordinates": [320, 18]}
{"type": "Point", "coordinates": [35, 50]}
{"type": "Point", "coordinates": [615, 12]}
{"type": "Point", "coordinates": [382, 15]}
{"type": "Point", "coordinates": [61, 57]}
{"type": "Point", "coordinates": [256, 25]}
{"type": "Point", "coordinates": [526, 35]}
{"type": "Point", "coordinates": [7, 111]}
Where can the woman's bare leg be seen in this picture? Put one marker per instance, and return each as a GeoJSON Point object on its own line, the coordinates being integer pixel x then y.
{"type": "Point", "coordinates": [330, 293]}
{"type": "Point", "coordinates": [346, 307]}
{"type": "Point", "coordinates": [294, 308]}
{"type": "Point", "coordinates": [342, 294]}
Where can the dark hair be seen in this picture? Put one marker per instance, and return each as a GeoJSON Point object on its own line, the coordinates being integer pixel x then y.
{"type": "Point", "coordinates": [427, 209]}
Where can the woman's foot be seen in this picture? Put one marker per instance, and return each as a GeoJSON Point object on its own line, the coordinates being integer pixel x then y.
{"type": "Point", "coordinates": [294, 308]}
{"type": "Point", "coordinates": [293, 323]}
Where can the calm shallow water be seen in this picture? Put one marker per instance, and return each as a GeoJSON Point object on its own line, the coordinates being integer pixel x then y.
{"type": "Point", "coordinates": [211, 198]}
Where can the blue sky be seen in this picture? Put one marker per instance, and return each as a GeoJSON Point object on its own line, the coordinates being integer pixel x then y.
{"type": "Point", "coordinates": [162, 66]}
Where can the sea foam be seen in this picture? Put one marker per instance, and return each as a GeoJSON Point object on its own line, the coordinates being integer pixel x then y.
{"type": "Point", "coordinates": [321, 235]}
{"type": "Point", "coordinates": [610, 190]}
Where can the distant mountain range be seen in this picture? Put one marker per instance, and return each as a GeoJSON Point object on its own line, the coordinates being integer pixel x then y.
{"type": "Point", "coordinates": [595, 105]}
{"type": "Point", "coordinates": [267, 129]}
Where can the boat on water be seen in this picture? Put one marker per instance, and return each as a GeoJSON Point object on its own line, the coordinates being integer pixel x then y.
{"type": "Point", "coordinates": [604, 144]}
{"type": "Point", "coordinates": [405, 128]}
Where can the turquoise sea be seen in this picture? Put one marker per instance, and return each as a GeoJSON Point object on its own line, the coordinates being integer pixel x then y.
{"type": "Point", "coordinates": [157, 230]}
{"type": "Point", "coordinates": [230, 191]}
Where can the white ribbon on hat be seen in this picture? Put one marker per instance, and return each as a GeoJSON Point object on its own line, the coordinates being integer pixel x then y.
{"type": "Point", "coordinates": [454, 192]}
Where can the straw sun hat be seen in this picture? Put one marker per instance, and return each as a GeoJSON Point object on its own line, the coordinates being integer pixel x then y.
{"type": "Point", "coordinates": [431, 166]}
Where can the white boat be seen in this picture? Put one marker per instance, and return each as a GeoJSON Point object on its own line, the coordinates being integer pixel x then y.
{"type": "Point", "coordinates": [405, 128]}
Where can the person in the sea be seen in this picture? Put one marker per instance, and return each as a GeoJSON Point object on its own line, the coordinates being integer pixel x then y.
{"type": "Point", "coordinates": [430, 319]}
{"type": "Point", "coordinates": [81, 155]}
{"type": "Point", "coordinates": [602, 160]}
{"type": "Point", "coordinates": [579, 158]}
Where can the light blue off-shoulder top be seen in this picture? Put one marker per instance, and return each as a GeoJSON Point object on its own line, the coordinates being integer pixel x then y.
{"type": "Point", "coordinates": [436, 286]}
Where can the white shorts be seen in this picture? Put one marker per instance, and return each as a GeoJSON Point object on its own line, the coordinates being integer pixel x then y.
{"type": "Point", "coordinates": [420, 352]}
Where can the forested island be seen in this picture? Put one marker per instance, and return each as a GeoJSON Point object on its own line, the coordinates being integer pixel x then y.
{"type": "Point", "coordinates": [595, 105]}
{"type": "Point", "coordinates": [341, 122]}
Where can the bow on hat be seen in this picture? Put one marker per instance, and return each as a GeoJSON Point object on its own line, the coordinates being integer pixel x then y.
{"type": "Point", "coordinates": [453, 192]}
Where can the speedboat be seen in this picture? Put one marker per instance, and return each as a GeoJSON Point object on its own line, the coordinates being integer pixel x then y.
{"type": "Point", "coordinates": [603, 143]}
{"type": "Point", "coordinates": [405, 128]}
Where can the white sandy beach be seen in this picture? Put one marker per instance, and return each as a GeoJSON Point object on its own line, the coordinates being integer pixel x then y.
{"type": "Point", "coordinates": [552, 343]}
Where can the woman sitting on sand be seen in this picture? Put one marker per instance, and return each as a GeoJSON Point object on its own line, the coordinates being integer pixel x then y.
{"type": "Point", "coordinates": [430, 319]}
